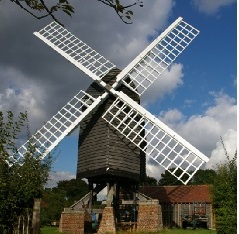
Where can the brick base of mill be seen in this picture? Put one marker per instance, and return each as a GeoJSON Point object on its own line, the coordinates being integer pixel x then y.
{"type": "Point", "coordinates": [74, 222]}
{"type": "Point", "coordinates": [149, 217]}
{"type": "Point", "coordinates": [78, 222]}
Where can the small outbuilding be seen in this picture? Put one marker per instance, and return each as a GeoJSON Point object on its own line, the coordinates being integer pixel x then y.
{"type": "Point", "coordinates": [184, 205]}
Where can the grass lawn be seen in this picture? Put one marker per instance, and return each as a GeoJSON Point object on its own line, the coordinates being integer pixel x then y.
{"type": "Point", "coordinates": [49, 230]}
{"type": "Point", "coordinates": [54, 230]}
{"type": "Point", "coordinates": [187, 231]}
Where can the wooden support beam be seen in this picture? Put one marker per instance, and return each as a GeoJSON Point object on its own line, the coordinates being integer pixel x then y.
{"type": "Point", "coordinates": [110, 194]}
{"type": "Point", "coordinates": [36, 216]}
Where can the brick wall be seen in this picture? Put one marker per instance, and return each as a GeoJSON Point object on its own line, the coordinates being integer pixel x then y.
{"type": "Point", "coordinates": [149, 218]}
{"type": "Point", "coordinates": [73, 222]}
{"type": "Point", "coordinates": [107, 223]}
{"type": "Point", "coordinates": [76, 222]}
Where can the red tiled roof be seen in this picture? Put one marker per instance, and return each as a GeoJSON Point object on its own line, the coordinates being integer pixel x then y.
{"type": "Point", "coordinates": [178, 194]}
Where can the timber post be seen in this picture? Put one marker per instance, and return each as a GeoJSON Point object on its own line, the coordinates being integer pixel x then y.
{"type": "Point", "coordinates": [36, 216]}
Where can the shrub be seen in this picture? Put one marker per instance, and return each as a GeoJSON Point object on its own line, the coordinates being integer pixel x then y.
{"type": "Point", "coordinates": [224, 194]}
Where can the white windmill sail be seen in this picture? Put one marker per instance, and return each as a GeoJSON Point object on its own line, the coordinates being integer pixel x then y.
{"type": "Point", "coordinates": [70, 116]}
{"type": "Point", "coordinates": [143, 70]}
{"type": "Point", "coordinates": [60, 125]}
{"type": "Point", "coordinates": [75, 50]}
{"type": "Point", "coordinates": [157, 140]}
{"type": "Point", "coordinates": [158, 56]}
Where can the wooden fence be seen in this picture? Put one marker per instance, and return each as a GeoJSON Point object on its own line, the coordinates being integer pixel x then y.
{"type": "Point", "coordinates": [27, 222]}
{"type": "Point", "coordinates": [22, 225]}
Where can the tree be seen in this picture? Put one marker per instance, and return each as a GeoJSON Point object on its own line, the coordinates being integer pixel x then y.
{"type": "Point", "coordinates": [149, 181]}
{"type": "Point", "coordinates": [65, 194]}
{"type": "Point", "coordinates": [200, 177]}
{"type": "Point", "coordinates": [53, 203]}
{"type": "Point", "coordinates": [74, 189]}
{"type": "Point", "coordinates": [19, 184]}
{"type": "Point", "coordinates": [206, 176]}
{"type": "Point", "coordinates": [49, 8]}
{"type": "Point", "coordinates": [168, 179]}
{"type": "Point", "coordinates": [9, 129]}
{"type": "Point", "coordinates": [224, 195]}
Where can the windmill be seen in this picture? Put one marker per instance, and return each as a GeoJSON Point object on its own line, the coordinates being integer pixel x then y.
{"type": "Point", "coordinates": [113, 99]}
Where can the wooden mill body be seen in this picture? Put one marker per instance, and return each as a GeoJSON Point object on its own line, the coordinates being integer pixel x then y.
{"type": "Point", "coordinates": [104, 154]}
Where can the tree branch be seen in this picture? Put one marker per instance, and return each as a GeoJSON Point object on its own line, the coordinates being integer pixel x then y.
{"type": "Point", "coordinates": [121, 10]}
{"type": "Point", "coordinates": [49, 13]}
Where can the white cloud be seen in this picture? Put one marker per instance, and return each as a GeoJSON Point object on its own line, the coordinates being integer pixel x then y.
{"type": "Point", "coordinates": [212, 6]}
{"type": "Point", "coordinates": [204, 131]}
{"type": "Point", "coordinates": [218, 154]}
{"type": "Point", "coordinates": [189, 102]}
{"type": "Point", "coordinates": [102, 195]}
{"type": "Point", "coordinates": [165, 84]}
{"type": "Point", "coordinates": [172, 117]}
{"type": "Point", "coordinates": [153, 170]}
{"type": "Point", "coordinates": [20, 94]}
{"type": "Point", "coordinates": [136, 37]}
{"type": "Point", "coordinates": [115, 40]}
{"type": "Point", "coordinates": [57, 176]}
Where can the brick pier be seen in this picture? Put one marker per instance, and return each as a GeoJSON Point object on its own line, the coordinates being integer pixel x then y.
{"type": "Point", "coordinates": [74, 222]}
{"type": "Point", "coordinates": [149, 216]}
{"type": "Point", "coordinates": [107, 223]}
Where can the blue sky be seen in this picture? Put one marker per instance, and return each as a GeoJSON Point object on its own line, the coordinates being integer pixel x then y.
{"type": "Point", "coordinates": [196, 96]}
{"type": "Point", "coordinates": [214, 66]}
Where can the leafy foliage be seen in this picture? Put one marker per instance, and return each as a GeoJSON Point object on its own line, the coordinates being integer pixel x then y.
{"type": "Point", "coordinates": [19, 185]}
{"type": "Point", "coordinates": [55, 199]}
{"type": "Point", "coordinates": [206, 176]}
{"type": "Point", "coordinates": [122, 10]}
{"type": "Point", "coordinates": [224, 194]}
{"type": "Point", "coordinates": [149, 181]}
{"type": "Point", "coordinates": [49, 8]}
{"type": "Point", "coordinates": [53, 203]}
{"type": "Point", "coordinates": [74, 189]}
{"type": "Point", "coordinates": [33, 6]}
{"type": "Point", "coordinates": [168, 179]}
{"type": "Point", "coordinates": [201, 177]}
{"type": "Point", "coordinates": [9, 129]}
